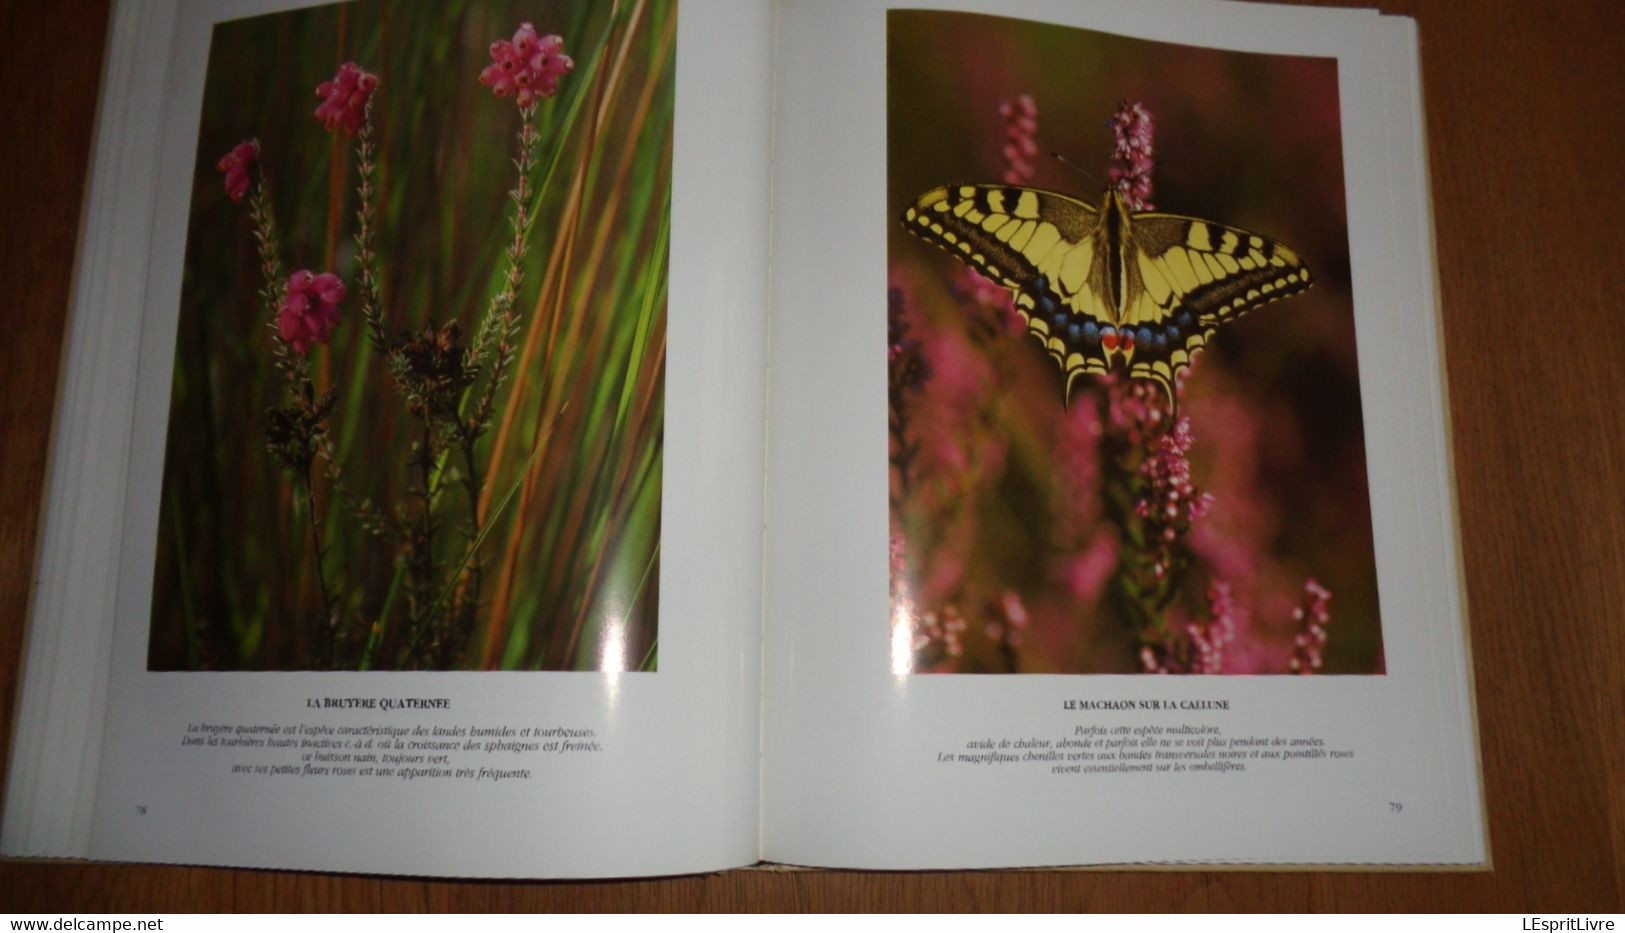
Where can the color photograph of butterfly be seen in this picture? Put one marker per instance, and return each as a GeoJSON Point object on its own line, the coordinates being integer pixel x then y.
{"type": "Point", "coordinates": [1108, 290]}
{"type": "Point", "coordinates": [1124, 414]}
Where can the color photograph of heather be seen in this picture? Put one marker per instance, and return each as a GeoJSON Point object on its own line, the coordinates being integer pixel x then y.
{"type": "Point", "coordinates": [417, 406]}
{"type": "Point", "coordinates": [1125, 432]}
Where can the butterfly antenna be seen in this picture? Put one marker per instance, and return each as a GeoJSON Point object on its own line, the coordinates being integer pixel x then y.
{"type": "Point", "coordinates": [1078, 168]}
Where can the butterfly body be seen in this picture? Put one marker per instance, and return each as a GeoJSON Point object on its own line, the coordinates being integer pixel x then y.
{"type": "Point", "coordinates": [1107, 289]}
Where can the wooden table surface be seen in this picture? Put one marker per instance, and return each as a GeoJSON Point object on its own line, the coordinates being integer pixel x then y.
{"type": "Point", "coordinates": [1526, 131]}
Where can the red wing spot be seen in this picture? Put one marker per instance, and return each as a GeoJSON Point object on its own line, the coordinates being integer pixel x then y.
{"type": "Point", "coordinates": [1109, 341]}
{"type": "Point", "coordinates": [1128, 342]}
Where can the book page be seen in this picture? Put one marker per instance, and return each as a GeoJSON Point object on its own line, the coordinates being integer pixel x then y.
{"type": "Point", "coordinates": [439, 549]}
{"type": "Point", "coordinates": [1109, 514]}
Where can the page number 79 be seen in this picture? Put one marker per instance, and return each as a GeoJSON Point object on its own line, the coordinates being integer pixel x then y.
{"type": "Point", "coordinates": [1395, 807]}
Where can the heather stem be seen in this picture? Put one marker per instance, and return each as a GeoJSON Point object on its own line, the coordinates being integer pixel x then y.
{"type": "Point", "coordinates": [373, 520]}
{"type": "Point", "coordinates": [468, 598]}
{"type": "Point", "coordinates": [275, 282]}
{"type": "Point", "coordinates": [423, 559]}
{"type": "Point", "coordinates": [299, 392]}
{"type": "Point", "coordinates": [1148, 495]}
{"type": "Point", "coordinates": [327, 628]}
{"type": "Point", "coordinates": [372, 302]}
{"type": "Point", "coordinates": [493, 342]}
{"type": "Point", "coordinates": [1119, 482]}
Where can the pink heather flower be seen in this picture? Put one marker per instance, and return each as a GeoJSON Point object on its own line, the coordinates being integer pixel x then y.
{"type": "Point", "coordinates": [527, 67]}
{"type": "Point", "coordinates": [344, 99]}
{"type": "Point", "coordinates": [1011, 628]}
{"type": "Point", "coordinates": [1173, 495]}
{"type": "Point", "coordinates": [1014, 609]}
{"type": "Point", "coordinates": [1087, 573]}
{"type": "Point", "coordinates": [897, 551]}
{"type": "Point", "coordinates": [1075, 492]}
{"type": "Point", "coordinates": [235, 165]}
{"type": "Point", "coordinates": [988, 293]}
{"type": "Point", "coordinates": [960, 374]}
{"type": "Point", "coordinates": [1134, 409]}
{"type": "Point", "coordinates": [953, 629]}
{"type": "Point", "coordinates": [311, 309]}
{"type": "Point", "coordinates": [1131, 156]}
{"type": "Point", "coordinates": [943, 632]}
{"type": "Point", "coordinates": [1235, 540]}
{"type": "Point", "coordinates": [1312, 617]}
{"type": "Point", "coordinates": [1210, 636]}
{"type": "Point", "coordinates": [1020, 115]}
{"type": "Point", "coordinates": [1206, 638]}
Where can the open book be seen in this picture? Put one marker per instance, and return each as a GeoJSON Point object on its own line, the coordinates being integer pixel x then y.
{"type": "Point", "coordinates": [603, 439]}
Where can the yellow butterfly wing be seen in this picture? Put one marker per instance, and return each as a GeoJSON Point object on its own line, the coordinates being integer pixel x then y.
{"type": "Point", "coordinates": [1104, 289]}
{"type": "Point", "coordinates": [1189, 276]}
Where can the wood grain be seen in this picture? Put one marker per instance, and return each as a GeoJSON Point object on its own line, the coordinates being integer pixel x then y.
{"type": "Point", "coordinates": [1525, 133]}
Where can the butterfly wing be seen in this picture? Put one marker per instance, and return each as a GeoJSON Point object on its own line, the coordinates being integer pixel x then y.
{"type": "Point", "coordinates": [1187, 277]}
{"type": "Point", "coordinates": [1006, 232]}
{"type": "Point", "coordinates": [1040, 244]}
{"type": "Point", "coordinates": [1145, 292]}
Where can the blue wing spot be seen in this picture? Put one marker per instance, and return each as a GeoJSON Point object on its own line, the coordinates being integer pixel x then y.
{"type": "Point", "coordinates": [1046, 301]}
